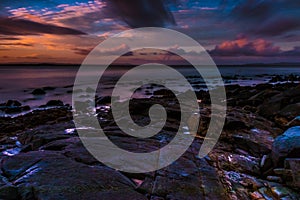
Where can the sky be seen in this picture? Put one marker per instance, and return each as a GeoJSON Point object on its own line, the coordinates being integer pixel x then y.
{"type": "Point", "coordinates": [232, 31]}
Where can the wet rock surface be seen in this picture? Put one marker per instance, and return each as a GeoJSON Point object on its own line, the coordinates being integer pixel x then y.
{"type": "Point", "coordinates": [256, 157]}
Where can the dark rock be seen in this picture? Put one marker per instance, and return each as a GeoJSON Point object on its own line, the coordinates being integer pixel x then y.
{"type": "Point", "coordinates": [276, 78]}
{"type": "Point", "coordinates": [239, 163]}
{"type": "Point", "coordinates": [12, 110]}
{"type": "Point", "coordinates": [286, 146]}
{"type": "Point", "coordinates": [232, 123]}
{"type": "Point", "coordinates": [275, 104]}
{"type": "Point", "coordinates": [44, 134]}
{"type": "Point", "coordinates": [55, 103]}
{"type": "Point", "coordinates": [254, 144]}
{"type": "Point", "coordinates": [9, 192]}
{"type": "Point", "coordinates": [274, 179]}
{"type": "Point", "coordinates": [292, 177]}
{"type": "Point", "coordinates": [265, 94]}
{"type": "Point", "coordinates": [13, 103]}
{"type": "Point", "coordinates": [294, 122]}
{"type": "Point", "coordinates": [38, 91]}
{"type": "Point", "coordinates": [163, 92]}
{"type": "Point", "coordinates": [50, 175]}
{"type": "Point", "coordinates": [263, 87]}
{"type": "Point", "coordinates": [178, 189]}
{"type": "Point", "coordinates": [290, 111]}
{"type": "Point", "coordinates": [103, 100]}
{"type": "Point", "coordinates": [26, 108]}
{"type": "Point", "coordinates": [266, 163]}
{"type": "Point", "coordinates": [15, 109]}
{"type": "Point", "coordinates": [48, 88]}
{"type": "Point", "coordinates": [74, 149]}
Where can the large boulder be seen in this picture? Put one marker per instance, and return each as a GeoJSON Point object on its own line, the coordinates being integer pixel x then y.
{"type": "Point", "coordinates": [286, 146]}
{"type": "Point", "coordinates": [50, 175]}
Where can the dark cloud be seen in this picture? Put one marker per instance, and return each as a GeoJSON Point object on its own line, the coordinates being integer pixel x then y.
{"type": "Point", "coordinates": [16, 44]}
{"type": "Point", "coordinates": [266, 17]}
{"type": "Point", "coordinates": [143, 13]}
{"type": "Point", "coordinates": [278, 26]}
{"type": "Point", "coordinates": [252, 10]}
{"type": "Point", "coordinates": [9, 38]}
{"type": "Point", "coordinates": [9, 26]}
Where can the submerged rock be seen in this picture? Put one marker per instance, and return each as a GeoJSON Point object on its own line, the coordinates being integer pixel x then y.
{"type": "Point", "coordinates": [13, 107]}
{"type": "Point", "coordinates": [55, 103]}
{"type": "Point", "coordinates": [38, 91]}
{"type": "Point", "coordinates": [11, 103]}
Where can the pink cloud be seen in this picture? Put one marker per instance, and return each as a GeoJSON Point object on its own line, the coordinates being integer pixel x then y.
{"type": "Point", "coordinates": [242, 46]}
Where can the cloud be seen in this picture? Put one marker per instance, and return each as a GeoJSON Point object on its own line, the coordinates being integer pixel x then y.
{"type": "Point", "coordinates": [266, 17]}
{"type": "Point", "coordinates": [243, 50]}
{"type": "Point", "coordinates": [16, 44]}
{"type": "Point", "coordinates": [277, 26]}
{"type": "Point", "coordinates": [107, 52]}
{"type": "Point", "coordinates": [9, 26]}
{"type": "Point", "coordinates": [242, 46]}
{"type": "Point", "coordinates": [82, 51]}
{"type": "Point", "coordinates": [141, 13]}
{"type": "Point", "coordinates": [31, 57]}
{"type": "Point", "coordinates": [114, 50]}
{"type": "Point", "coordinates": [295, 52]}
{"type": "Point", "coordinates": [9, 38]}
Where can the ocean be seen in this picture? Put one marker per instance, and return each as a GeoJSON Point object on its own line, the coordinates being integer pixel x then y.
{"type": "Point", "coordinates": [17, 82]}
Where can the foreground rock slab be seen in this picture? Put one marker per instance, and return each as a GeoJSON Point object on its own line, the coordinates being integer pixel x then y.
{"type": "Point", "coordinates": [50, 175]}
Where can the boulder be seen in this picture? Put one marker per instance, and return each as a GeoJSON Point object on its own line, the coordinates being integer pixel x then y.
{"type": "Point", "coordinates": [256, 143]}
{"type": "Point", "coordinates": [286, 146]}
{"type": "Point", "coordinates": [50, 175]}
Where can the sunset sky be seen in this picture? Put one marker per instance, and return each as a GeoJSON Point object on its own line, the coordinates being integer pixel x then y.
{"type": "Point", "coordinates": [232, 31]}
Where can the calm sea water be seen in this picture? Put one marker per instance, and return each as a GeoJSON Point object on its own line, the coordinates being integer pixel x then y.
{"type": "Point", "coordinates": [17, 82]}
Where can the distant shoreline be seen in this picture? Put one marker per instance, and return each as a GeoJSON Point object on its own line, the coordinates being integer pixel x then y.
{"type": "Point", "coordinates": [130, 65]}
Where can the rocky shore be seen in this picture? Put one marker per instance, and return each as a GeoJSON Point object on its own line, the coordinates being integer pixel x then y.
{"type": "Point", "coordinates": [256, 157]}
